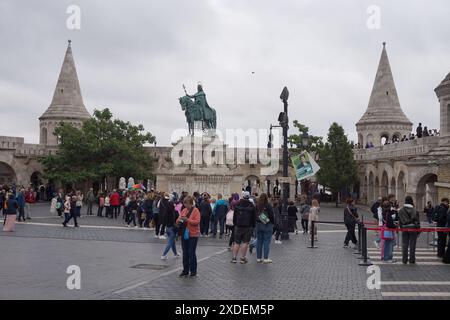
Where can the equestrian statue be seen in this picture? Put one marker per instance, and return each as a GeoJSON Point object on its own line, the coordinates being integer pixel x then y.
{"type": "Point", "coordinates": [198, 110]}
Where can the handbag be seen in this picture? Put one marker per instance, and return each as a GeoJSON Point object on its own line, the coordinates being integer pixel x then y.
{"type": "Point", "coordinates": [263, 217]}
{"type": "Point", "coordinates": [186, 234]}
{"type": "Point", "coordinates": [387, 234]}
{"type": "Point", "coordinates": [183, 230]}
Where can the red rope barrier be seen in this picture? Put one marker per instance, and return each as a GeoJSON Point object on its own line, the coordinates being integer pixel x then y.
{"type": "Point", "coordinates": [429, 229]}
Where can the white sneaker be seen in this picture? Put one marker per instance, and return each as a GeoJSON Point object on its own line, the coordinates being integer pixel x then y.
{"type": "Point", "coordinates": [127, 225]}
{"type": "Point", "coordinates": [377, 245]}
{"type": "Point", "coordinates": [259, 260]}
{"type": "Point", "coordinates": [177, 255]}
{"type": "Point", "coordinates": [156, 236]}
{"type": "Point", "coordinates": [164, 257]}
{"type": "Point", "coordinates": [136, 227]}
{"type": "Point", "coordinates": [162, 237]}
{"type": "Point", "coordinates": [267, 261]}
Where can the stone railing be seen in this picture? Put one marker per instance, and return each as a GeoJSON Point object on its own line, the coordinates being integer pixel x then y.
{"type": "Point", "coordinates": [33, 150]}
{"type": "Point", "coordinates": [406, 149]}
{"type": "Point", "coordinates": [10, 143]}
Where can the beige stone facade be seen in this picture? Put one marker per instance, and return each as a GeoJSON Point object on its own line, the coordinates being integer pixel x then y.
{"type": "Point", "coordinates": [405, 168]}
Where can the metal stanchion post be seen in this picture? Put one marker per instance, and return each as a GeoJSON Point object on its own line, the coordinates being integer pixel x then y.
{"type": "Point", "coordinates": [365, 261]}
{"type": "Point", "coordinates": [312, 246]}
{"type": "Point", "coordinates": [359, 239]}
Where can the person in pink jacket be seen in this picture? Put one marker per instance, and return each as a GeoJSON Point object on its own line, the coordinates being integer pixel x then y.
{"type": "Point", "coordinates": [189, 219]}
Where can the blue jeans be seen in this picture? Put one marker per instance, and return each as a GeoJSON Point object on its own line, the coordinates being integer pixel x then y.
{"type": "Point", "coordinates": [170, 242]}
{"type": "Point", "coordinates": [263, 236]}
{"type": "Point", "coordinates": [189, 247]}
{"type": "Point", "coordinates": [388, 249]}
{"type": "Point", "coordinates": [218, 218]}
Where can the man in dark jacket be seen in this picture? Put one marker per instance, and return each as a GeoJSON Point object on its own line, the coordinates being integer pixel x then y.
{"type": "Point", "coordinates": [440, 217]}
{"type": "Point", "coordinates": [147, 207]}
{"type": "Point", "coordinates": [205, 215]}
{"type": "Point", "coordinates": [350, 220]}
{"type": "Point", "coordinates": [409, 218]}
{"type": "Point", "coordinates": [244, 220]}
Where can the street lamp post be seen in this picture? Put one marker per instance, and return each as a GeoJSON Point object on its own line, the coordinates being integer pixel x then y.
{"type": "Point", "coordinates": [284, 122]}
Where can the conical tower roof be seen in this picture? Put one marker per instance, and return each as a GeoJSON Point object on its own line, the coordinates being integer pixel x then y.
{"type": "Point", "coordinates": [384, 105]}
{"type": "Point", "coordinates": [67, 102]}
{"type": "Point", "coordinates": [444, 87]}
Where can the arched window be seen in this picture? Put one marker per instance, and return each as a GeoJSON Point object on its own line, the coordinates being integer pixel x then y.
{"type": "Point", "coordinates": [43, 135]}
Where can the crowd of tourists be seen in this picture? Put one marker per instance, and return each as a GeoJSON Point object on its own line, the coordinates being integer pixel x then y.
{"type": "Point", "coordinates": [421, 132]}
{"type": "Point", "coordinates": [16, 203]}
{"type": "Point", "coordinates": [389, 216]}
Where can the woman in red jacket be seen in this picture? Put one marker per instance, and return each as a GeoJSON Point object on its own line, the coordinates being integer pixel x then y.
{"type": "Point", "coordinates": [189, 219]}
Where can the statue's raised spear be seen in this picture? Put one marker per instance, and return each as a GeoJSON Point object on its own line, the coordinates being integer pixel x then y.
{"type": "Point", "coordinates": [184, 87]}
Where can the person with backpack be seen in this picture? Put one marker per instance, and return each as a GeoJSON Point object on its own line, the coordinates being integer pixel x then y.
{"type": "Point", "coordinates": [220, 212]}
{"type": "Point", "coordinates": [90, 198]}
{"type": "Point", "coordinates": [205, 215]}
{"type": "Point", "coordinates": [292, 214]}
{"type": "Point", "coordinates": [244, 219]}
{"type": "Point", "coordinates": [264, 228]}
{"type": "Point", "coordinates": [446, 259]}
{"type": "Point", "coordinates": [71, 204]}
{"type": "Point", "coordinates": [409, 219]}
{"type": "Point", "coordinates": [60, 203]}
{"type": "Point", "coordinates": [170, 216]}
{"type": "Point", "coordinates": [147, 207]}
{"type": "Point", "coordinates": [304, 211]}
{"type": "Point", "coordinates": [428, 210]}
{"type": "Point", "coordinates": [132, 209]}
{"type": "Point", "coordinates": [101, 205]}
{"type": "Point", "coordinates": [189, 224]}
{"type": "Point", "coordinates": [376, 213]}
{"type": "Point", "coordinates": [21, 203]}
{"type": "Point", "coordinates": [388, 236]}
{"type": "Point", "coordinates": [10, 214]}
{"type": "Point", "coordinates": [277, 222]}
{"type": "Point", "coordinates": [230, 218]}
{"type": "Point", "coordinates": [440, 217]}
{"type": "Point", "coordinates": [351, 218]}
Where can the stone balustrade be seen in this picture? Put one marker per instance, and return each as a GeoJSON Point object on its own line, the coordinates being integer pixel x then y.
{"type": "Point", "coordinates": [405, 149]}
{"type": "Point", "coordinates": [33, 150]}
{"type": "Point", "coordinates": [10, 143]}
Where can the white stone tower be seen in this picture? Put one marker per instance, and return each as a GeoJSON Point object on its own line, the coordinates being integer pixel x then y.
{"type": "Point", "coordinates": [443, 94]}
{"type": "Point", "coordinates": [67, 103]}
{"type": "Point", "coordinates": [384, 118]}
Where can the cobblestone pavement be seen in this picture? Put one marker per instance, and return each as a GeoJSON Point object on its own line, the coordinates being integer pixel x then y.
{"type": "Point", "coordinates": [34, 260]}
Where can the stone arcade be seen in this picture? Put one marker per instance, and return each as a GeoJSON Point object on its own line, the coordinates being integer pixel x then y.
{"type": "Point", "coordinates": [420, 167]}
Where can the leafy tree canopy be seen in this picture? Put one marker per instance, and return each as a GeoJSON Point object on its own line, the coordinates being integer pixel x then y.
{"type": "Point", "coordinates": [314, 144]}
{"type": "Point", "coordinates": [337, 166]}
{"type": "Point", "coordinates": [103, 147]}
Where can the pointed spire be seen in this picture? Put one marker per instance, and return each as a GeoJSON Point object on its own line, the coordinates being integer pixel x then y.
{"type": "Point", "coordinates": [384, 105]}
{"type": "Point", "coordinates": [67, 102]}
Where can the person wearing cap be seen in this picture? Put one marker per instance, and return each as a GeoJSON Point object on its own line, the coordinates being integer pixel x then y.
{"type": "Point", "coordinates": [244, 220]}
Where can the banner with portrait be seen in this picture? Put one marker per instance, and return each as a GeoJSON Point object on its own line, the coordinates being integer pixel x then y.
{"type": "Point", "coordinates": [304, 165]}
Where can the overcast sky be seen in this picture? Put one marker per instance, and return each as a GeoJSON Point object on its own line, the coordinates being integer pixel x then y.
{"type": "Point", "coordinates": [134, 56]}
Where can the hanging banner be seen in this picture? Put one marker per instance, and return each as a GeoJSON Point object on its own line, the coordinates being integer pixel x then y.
{"type": "Point", "coordinates": [304, 165]}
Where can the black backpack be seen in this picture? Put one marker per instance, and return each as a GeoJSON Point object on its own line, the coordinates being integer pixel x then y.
{"type": "Point", "coordinates": [374, 210]}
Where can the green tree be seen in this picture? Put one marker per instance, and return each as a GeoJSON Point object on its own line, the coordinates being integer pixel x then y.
{"type": "Point", "coordinates": [337, 166]}
{"type": "Point", "coordinates": [103, 147]}
{"type": "Point", "coordinates": [315, 143]}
